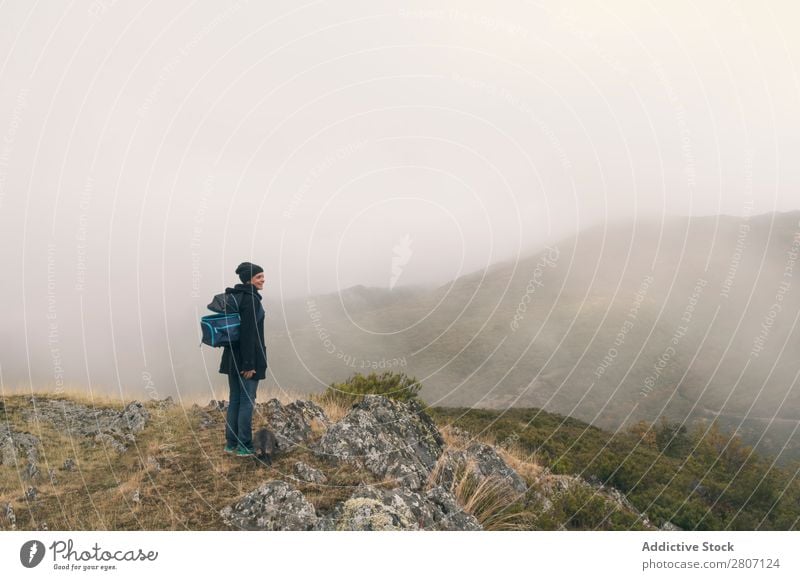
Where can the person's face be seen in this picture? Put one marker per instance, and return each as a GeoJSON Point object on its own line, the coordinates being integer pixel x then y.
{"type": "Point", "coordinates": [258, 280]}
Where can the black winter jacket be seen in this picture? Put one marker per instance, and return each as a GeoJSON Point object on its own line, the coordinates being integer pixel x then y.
{"type": "Point", "coordinates": [250, 353]}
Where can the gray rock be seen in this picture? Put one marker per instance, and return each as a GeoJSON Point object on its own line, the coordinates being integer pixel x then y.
{"type": "Point", "coordinates": [69, 464]}
{"type": "Point", "coordinates": [391, 439]}
{"type": "Point", "coordinates": [449, 515]}
{"type": "Point", "coordinates": [7, 515]}
{"type": "Point", "coordinates": [106, 426]}
{"type": "Point", "coordinates": [206, 421]}
{"type": "Point", "coordinates": [305, 472]}
{"type": "Point", "coordinates": [483, 461]}
{"type": "Point", "coordinates": [31, 493]}
{"type": "Point", "coordinates": [618, 497]}
{"type": "Point", "coordinates": [152, 464]}
{"type": "Point", "coordinates": [134, 415]}
{"type": "Point", "coordinates": [16, 448]}
{"type": "Point", "coordinates": [670, 527]}
{"type": "Point", "coordinates": [31, 472]}
{"type": "Point", "coordinates": [166, 403]}
{"type": "Point", "coordinates": [136, 496]}
{"type": "Point", "coordinates": [370, 508]}
{"type": "Point", "coordinates": [215, 405]}
{"type": "Point", "coordinates": [108, 440]}
{"type": "Point", "coordinates": [293, 424]}
{"type": "Point", "coordinates": [275, 505]}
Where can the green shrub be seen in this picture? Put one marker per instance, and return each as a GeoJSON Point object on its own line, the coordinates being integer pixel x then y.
{"type": "Point", "coordinates": [397, 386]}
{"type": "Point", "coordinates": [699, 478]}
{"type": "Point", "coordinates": [581, 508]}
{"type": "Point", "coordinates": [672, 439]}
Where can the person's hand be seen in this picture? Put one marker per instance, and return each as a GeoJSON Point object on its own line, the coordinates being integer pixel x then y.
{"type": "Point", "coordinates": [248, 374]}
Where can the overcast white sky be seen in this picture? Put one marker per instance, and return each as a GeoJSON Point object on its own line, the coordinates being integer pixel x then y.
{"type": "Point", "coordinates": [313, 138]}
{"type": "Point", "coordinates": [147, 148]}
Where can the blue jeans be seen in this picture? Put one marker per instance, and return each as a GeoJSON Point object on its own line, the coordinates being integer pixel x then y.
{"type": "Point", "coordinates": [239, 421]}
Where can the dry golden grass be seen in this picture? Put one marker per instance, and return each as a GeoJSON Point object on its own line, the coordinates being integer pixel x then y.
{"type": "Point", "coordinates": [519, 460]}
{"type": "Point", "coordinates": [451, 438]}
{"type": "Point", "coordinates": [488, 499]}
{"type": "Point", "coordinates": [183, 477]}
{"type": "Point", "coordinates": [179, 469]}
{"type": "Point", "coordinates": [105, 398]}
{"type": "Point", "coordinates": [335, 409]}
{"type": "Point", "coordinates": [74, 393]}
{"type": "Point", "coordinates": [515, 456]}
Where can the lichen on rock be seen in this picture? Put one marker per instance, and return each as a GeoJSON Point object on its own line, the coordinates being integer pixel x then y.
{"type": "Point", "coordinates": [371, 508]}
{"type": "Point", "coordinates": [274, 505]}
{"type": "Point", "coordinates": [391, 439]}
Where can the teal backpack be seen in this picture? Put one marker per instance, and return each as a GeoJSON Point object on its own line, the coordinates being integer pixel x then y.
{"type": "Point", "coordinates": [221, 328]}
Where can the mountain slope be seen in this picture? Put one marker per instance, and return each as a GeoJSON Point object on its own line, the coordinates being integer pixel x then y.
{"type": "Point", "coordinates": [622, 322]}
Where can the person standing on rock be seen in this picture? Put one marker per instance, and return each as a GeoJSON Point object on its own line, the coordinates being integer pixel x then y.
{"type": "Point", "coordinates": [245, 361]}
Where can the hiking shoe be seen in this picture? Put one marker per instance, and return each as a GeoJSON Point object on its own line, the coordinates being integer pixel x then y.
{"type": "Point", "coordinates": [244, 452]}
{"type": "Point", "coordinates": [230, 449]}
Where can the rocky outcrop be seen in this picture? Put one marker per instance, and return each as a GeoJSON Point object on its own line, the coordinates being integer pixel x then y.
{"type": "Point", "coordinates": [370, 508]}
{"type": "Point", "coordinates": [482, 461]}
{"type": "Point", "coordinates": [391, 439]}
{"type": "Point", "coordinates": [115, 429]}
{"type": "Point", "coordinates": [293, 424]}
{"type": "Point", "coordinates": [407, 476]}
{"type": "Point", "coordinates": [275, 505]}
{"type": "Point", "coordinates": [20, 451]}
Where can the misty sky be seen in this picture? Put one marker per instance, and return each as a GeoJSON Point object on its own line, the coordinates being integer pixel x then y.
{"type": "Point", "coordinates": [147, 148]}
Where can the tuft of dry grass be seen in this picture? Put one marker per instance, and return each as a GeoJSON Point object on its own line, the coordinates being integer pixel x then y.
{"type": "Point", "coordinates": [488, 499]}
{"type": "Point", "coordinates": [519, 460]}
{"type": "Point", "coordinates": [493, 502]}
{"type": "Point", "coordinates": [335, 409]}
{"type": "Point", "coordinates": [452, 438]}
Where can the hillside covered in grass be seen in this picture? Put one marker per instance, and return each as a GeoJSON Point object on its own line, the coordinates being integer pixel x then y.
{"type": "Point", "coordinates": [69, 463]}
{"type": "Point", "coordinates": [698, 479]}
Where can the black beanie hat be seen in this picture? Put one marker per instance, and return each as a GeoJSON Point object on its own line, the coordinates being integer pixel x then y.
{"type": "Point", "coordinates": [246, 271]}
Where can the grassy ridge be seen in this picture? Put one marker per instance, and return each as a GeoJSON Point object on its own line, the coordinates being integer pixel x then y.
{"type": "Point", "coordinates": [695, 480]}
{"type": "Point", "coordinates": [178, 467]}
{"type": "Point", "coordinates": [698, 480]}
